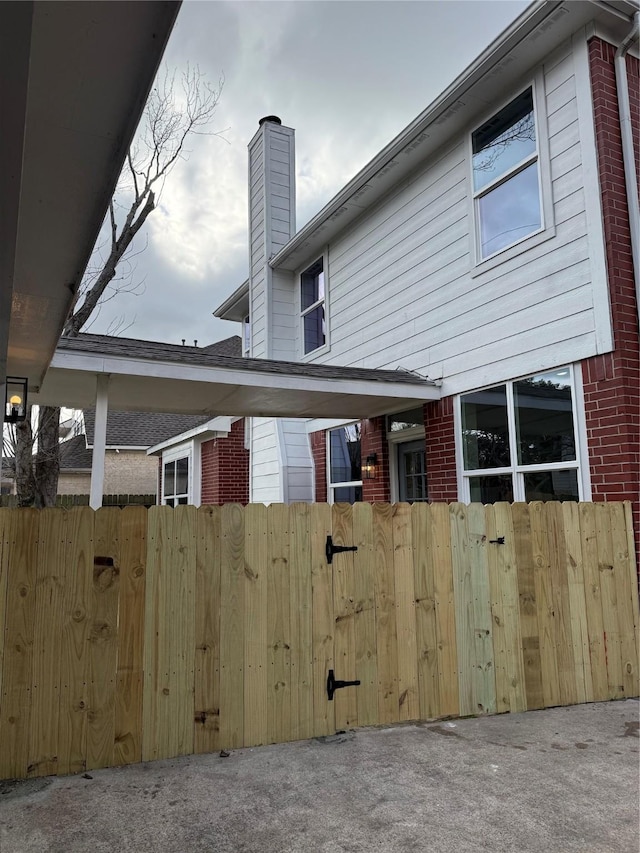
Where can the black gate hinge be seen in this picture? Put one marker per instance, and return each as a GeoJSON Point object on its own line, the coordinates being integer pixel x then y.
{"type": "Point", "coordinates": [332, 549]}
{"type": "Point", "coordinates": [333, 684]}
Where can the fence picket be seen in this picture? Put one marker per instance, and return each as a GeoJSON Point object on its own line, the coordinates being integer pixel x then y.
{"type": "Point", "coordinates": [134, 634]}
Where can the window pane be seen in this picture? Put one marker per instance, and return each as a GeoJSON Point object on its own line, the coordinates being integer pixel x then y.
{"type": "Point", "coordinates": [489, 490]}
{"type": "Point", "coordinates": [406, 420]}
{"type": "Point", "coordinates": [551, 486]}
{"type": "Point", "coordinates": [169, 479]}
{"type": "Point", "coordinates": [504, 141]}
{"type": "Point", "coordinates": [169, 502]}
{"type": "Point", "coordinates": [314, 329]}
{"type": "Point", "coordinates": [182, 476]}
{"type": "Point", "coordinates": [544, 419]}
{"type": "Point", "coordinates": [347, 494]}
{"type": "Point", "coordinates": [312, 285]}
{"type": "Point", "coordinates": [246, 335]}
{"type": "Point", "coordinates": [344, 454]}
{"type": "Point", "coordinates": [182, 500]}
{"type": "Point", "coordinates": [485, 433]}
{"type": "Point", "coordinates": [510, 211]}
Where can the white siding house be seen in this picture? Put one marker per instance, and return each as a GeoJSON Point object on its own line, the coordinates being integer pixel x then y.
{"type": "Point", "coordinates": [471, 250]}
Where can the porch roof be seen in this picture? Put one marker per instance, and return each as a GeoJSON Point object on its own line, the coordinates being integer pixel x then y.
{"type": "Point", "coordinates": [160, 377]}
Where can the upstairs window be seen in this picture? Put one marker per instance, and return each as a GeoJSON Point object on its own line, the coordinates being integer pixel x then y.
{"type": "Point", "coordinates": [506, 184]}
{"type": "Point", "coordinates": [312, 307]}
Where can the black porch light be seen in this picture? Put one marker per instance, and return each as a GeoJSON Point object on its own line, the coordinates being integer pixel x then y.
{"type": "Point", "coordinates": [15, 400]}
{"type": "Point", "coordinates": [370, 467]}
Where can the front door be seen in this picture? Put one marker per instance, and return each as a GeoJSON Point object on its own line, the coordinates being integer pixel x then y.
{"type": "Point", "coordinates": [412, 476]}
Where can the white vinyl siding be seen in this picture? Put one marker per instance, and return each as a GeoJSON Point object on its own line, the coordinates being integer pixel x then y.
{"type": "Point", "coordinates": [405, 289]}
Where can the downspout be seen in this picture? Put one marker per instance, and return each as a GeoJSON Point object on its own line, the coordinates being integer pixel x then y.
{"type": "Point", "coordinates": [628, 153]}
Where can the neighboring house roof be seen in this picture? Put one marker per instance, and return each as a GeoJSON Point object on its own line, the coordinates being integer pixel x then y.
{"type": "Point", "coordinates": [141, 429]}
{"type": "Point", "coordinates": [75, 455]}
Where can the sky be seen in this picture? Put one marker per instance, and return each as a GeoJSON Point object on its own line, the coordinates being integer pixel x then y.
{"type": "Point", "coordinates": [348, 76]}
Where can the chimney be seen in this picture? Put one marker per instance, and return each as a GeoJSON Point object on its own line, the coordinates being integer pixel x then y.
{"type": "Point", "coordinates": [272, 212]}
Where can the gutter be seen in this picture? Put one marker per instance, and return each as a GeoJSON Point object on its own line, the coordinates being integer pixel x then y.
{"type": "Point", "coordinates": [516, 33]}
{"type": "Point", "coordinates": [628, 153]}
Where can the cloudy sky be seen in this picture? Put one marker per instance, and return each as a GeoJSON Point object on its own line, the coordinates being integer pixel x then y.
{"type": "Point", "coordinates": [348, 76]}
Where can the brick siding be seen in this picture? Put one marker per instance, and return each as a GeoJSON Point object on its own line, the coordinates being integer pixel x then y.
{"type": "Point", "coordinates": [612, 381]}
{"type": "Point", "coordinates": [225, 468]}
{"type": "Point", "coordinates": [374, 440]}
{"type": "Point", "coordinates": [442, 484]}
{"type": "Point", "coordinates": [319, 453]}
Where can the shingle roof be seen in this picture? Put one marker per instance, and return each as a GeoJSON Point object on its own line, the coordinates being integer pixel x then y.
{"type": "Point", "coordinates": [156, 351]}
{"type": "Point", "coordinates": [74, 454]}
{"type": "Point", "coordinates": [141, 429]}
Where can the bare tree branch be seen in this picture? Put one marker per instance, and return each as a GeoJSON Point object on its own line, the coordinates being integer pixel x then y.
{"type": "Point", "coordinates": [170, 118]}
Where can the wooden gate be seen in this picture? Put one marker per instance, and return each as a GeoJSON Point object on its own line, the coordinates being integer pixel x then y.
{"type": "Point", "coordinates": [130, 635]}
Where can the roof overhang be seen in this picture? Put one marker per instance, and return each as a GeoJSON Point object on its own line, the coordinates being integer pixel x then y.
{"type": "Point", "coordinates": [541, 28]}
{"type": "Point", "coordinates": [219, 386]}
{"type": "Point", "coordinates": [215, 428]}
{"type": "Point", "coordinates": [236, 306]}
{"type": "Point", "coordinates": [74, 79]}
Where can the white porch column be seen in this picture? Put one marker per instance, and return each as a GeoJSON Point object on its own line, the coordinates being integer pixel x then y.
{"type": "Point", "coordinates": [99, 441]}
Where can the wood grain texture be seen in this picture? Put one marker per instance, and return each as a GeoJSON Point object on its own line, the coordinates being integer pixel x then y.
{"type": "Point", "coordinates": [386, 637]}
{"type": "Point", "coordinates": [232, 583]}
{"type": "Point", "coordinates": [104, 593]}
{"type": "Point", "coordinates": [256, 662]}
{"type": "Point", "coordinates": [279, 626]}
{"type": "Point", "coordinates": [18, 568]}
{"type": "Point", "coordinates": [323, 620]}
{"type": "Point", "coordinates": [365, 615]}
{"type": "Point", "coordinates": [447, 651]}
{"type": "Point", "coordinates": [408, 698]}
{"type": "Point", "coordinates": [345, 701]}
{"type": "Point", "coordinates": [426, 621]}
{"type": "Point", "coordinates": [48, 643]}
{"type": "Point", "coordinates": [131, 619]}
{"type": "Point", "coordinates": [528, 606]}
{"type": "Point", "coordinates": [301, 629]}
{"type": "Point", "coordinates": [207, 631]}
{"type": "Point", "coordinates": [597, 649]}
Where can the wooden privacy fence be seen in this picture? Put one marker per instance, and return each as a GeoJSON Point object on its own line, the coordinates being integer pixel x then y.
{"type": "Point", "coordinates": [137, 634]}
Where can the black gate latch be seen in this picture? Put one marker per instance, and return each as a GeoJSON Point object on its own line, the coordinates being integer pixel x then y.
{"type": "Point", "coordinates": [333, 685]}
{"type": "Point", "coordinates": [498, 541]}
{"type": "Point", "coordinates": [332, 549]}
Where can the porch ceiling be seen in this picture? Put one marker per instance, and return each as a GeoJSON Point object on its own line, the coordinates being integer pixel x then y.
{"type": "Point", "coordinates": [74, 81]}
{"type": "Point", "coordinates": [155, 377]}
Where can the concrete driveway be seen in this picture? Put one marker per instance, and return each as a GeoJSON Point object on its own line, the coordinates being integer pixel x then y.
{"type": "Point", "coordinates": [565, 779]}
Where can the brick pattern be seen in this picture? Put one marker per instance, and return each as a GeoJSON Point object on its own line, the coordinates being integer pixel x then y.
{"type": "Point", "coordinates": [373, 440]}
{"type": "Point", "coordinates": [612, 381]}
{"type": "Point", "coordinates": [225, 468]}
{"type": "Point", "coordinates": [442, 483]}
{"type": "Point", "coordinates": [319, 453]}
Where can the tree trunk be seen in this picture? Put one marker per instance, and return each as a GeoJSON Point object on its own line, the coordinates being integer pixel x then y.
{"type": "Point", "coordinates": [25, 480]}
{"type": "Point", "coordinates": [47, 463]}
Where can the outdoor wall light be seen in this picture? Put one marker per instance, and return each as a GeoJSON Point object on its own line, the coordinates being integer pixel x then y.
{"type": "Point", "coordinates": [370, 467]}
{"type": "Point", "coordinates": [15, 400]}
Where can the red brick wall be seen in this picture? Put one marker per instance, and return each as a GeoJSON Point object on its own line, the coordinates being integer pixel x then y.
{"type": "Point", "coordinates": [319, 453]}
{"type": "Point", "coordinates": [225, 468]}
{"type": "Point", "coordinates": [442, 483]}
{"type": "Point", "coordinates": [373, 440]}
{"type": "Point", "coordinates": [612, 381]}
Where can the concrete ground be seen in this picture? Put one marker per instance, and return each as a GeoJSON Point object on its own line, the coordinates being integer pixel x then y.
{"type": "Point", "coordinates": [565, 779]}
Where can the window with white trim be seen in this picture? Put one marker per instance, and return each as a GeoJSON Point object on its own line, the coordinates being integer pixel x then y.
{"type": "Point", "coordinates": [312, 307]}
{"type": "Point", "coordinates": [344, 464]}
{"type": "Point", "coordinates": [519, 440]}
{"type": "Point", "coordinates": [175, 481]}
{"type": "Point", "coordinates": [506, 179]}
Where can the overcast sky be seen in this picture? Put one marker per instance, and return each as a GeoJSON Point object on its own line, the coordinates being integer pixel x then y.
{"type": "Point", "coordinates": [348, 76]}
